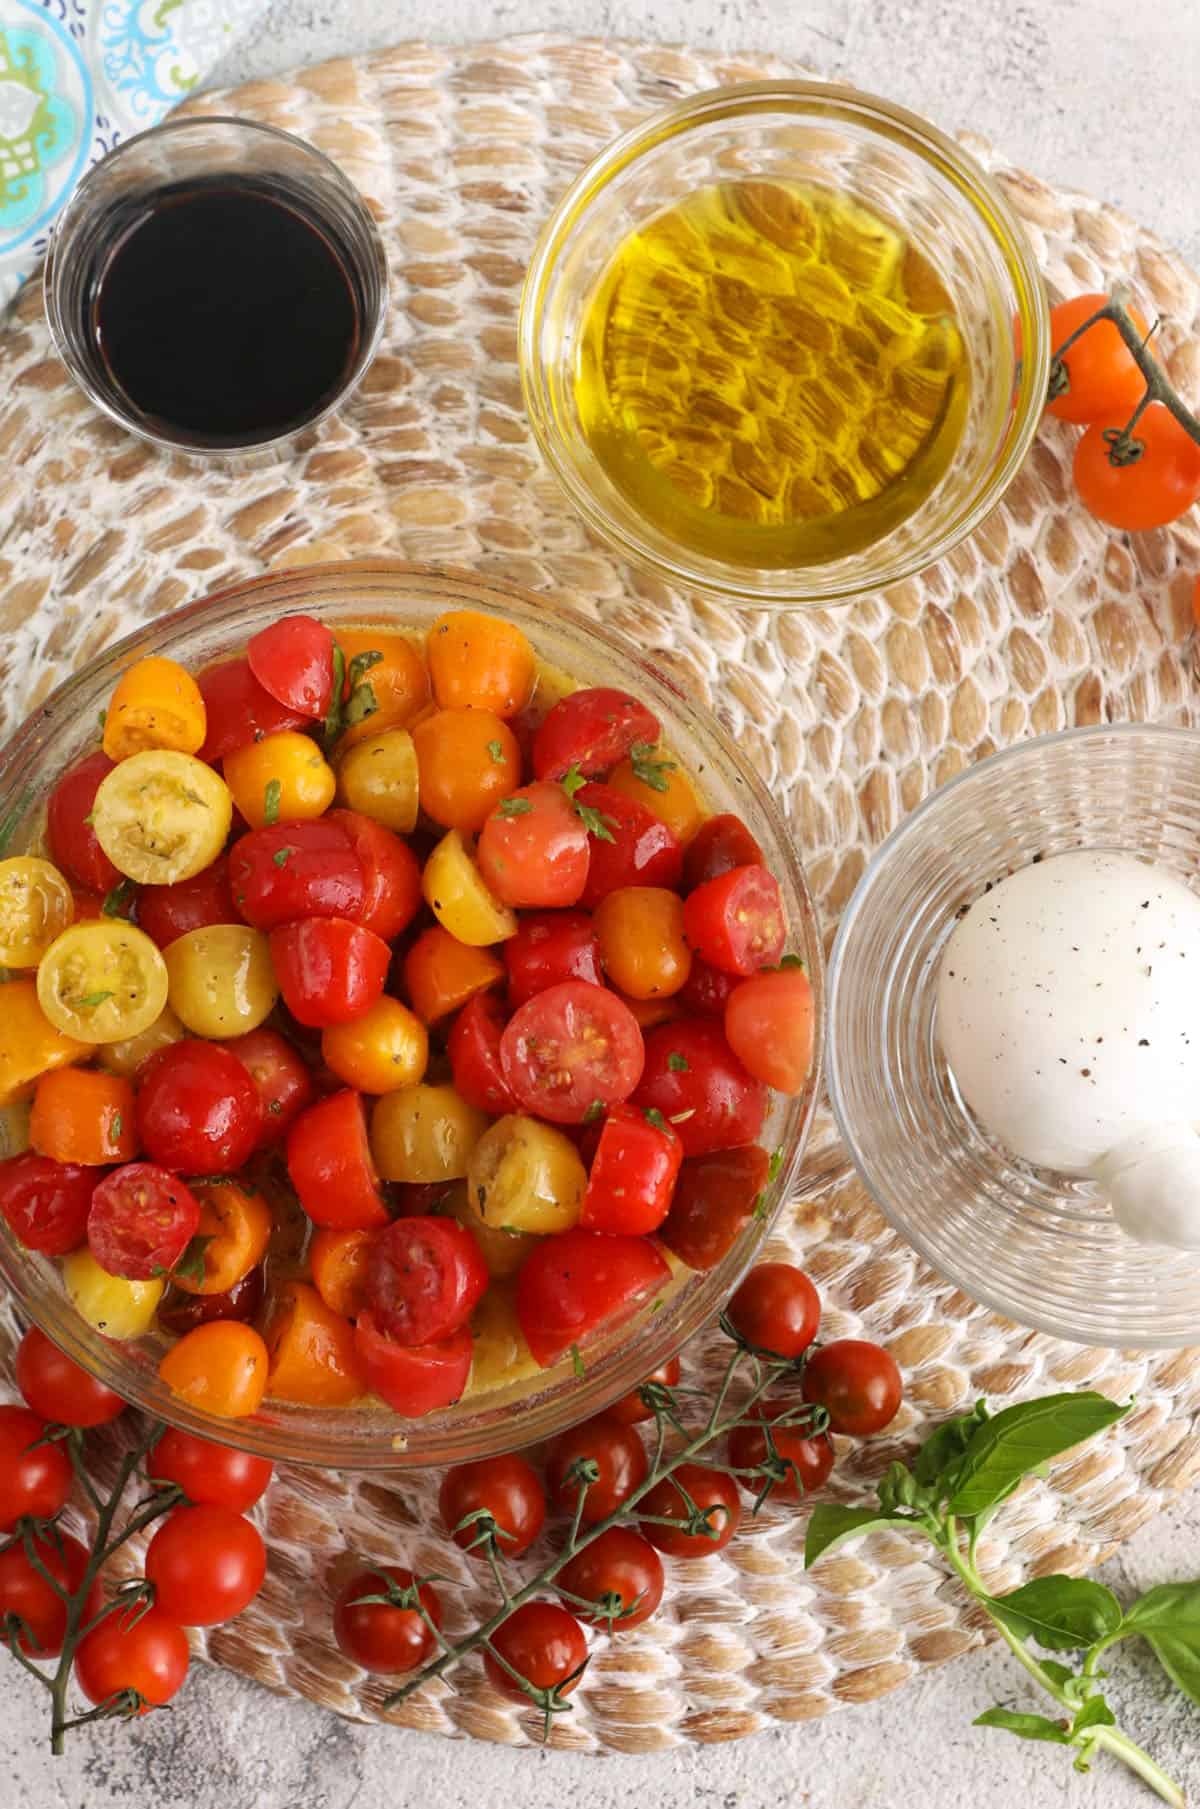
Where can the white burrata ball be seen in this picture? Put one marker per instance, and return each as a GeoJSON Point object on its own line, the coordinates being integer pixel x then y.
{"type": "Point", "coordinates": [1068, 1008]}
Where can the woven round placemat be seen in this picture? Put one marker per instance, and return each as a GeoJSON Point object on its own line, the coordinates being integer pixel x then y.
{"type": "Point", "coordinates": [1044, 620]}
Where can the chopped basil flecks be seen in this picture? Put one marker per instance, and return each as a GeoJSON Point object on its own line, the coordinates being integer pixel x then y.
{"type": "Point", "coordinates": [677, 1063]}
{"type": "Point", "coordinates": [650, 770]}
{"type": "Point", "coordinates": [272, 799]}
{"type": "Point", "coordinates": [515, 807]}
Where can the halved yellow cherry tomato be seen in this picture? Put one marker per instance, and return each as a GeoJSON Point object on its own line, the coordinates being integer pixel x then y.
{"type": "Point", "coordinates": [156, 704]}
{"type": "Point", "coordinates": [660, 783]}
{"type": "Point", "coordinates": [162, 816]}
{"type": "Point", "coordinates": [117, 1307]}
{"type": "Point", "coordinates": [461, 899]}
{"type": "Point", "coordinates": [502, 1251]}
{"type": "Point", "coordinates": [526, 1176]}
{"type": "Point", "coordinates": [127, 1056]}
{"type": "Point", "coordinates": [221, 979]}
{"type": "Point", "coordinates": [29, 1043]}
{"type": "Point", "coordinates": [385, 1049]}
{"type": "Point", "coordinates": [283, 778]}
{"type": "Point", "coordinates": [480, 662]}
{"type": "Point", "coordinates": [379, 778]}
{"type": "Point", "coordinates": [424, 1133]}
{"type": "Point", "coordinates": [102, 981]}
{"type": "Point", "coordinates": [501, 1355]}
{"type": "Point", "coordinates": [36, 905]}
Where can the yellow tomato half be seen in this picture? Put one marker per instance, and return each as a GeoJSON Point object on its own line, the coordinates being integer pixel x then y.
{"type": "Point", "coordinates": [162, 816]}
{"type": "Point", "coordinates": [103, 981]}
{"type": "Point", "coordinates": [36, 905]}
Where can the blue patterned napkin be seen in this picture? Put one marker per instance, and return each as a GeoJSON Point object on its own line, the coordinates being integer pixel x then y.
{"type": "Point", "coordinates": [78, 76]}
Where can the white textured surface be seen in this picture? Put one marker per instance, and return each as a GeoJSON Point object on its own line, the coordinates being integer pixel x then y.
{"type": "Point", "coordinates": [1091, 92]}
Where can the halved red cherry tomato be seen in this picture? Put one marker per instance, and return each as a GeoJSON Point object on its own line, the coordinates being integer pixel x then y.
{"type": "Point", "coordinates": [714, 1201]}
{"type": "Point", "coordinates": [571, 1048]}
{"type": "Point", "coordinates": [698, 1084]}
{"type": "Point", "coordinates": [26, 1594]}
{"type": "Point", "coordinates": [631, 1410]}
{"type": "Point", "coordinates": [533, 849]}
{"type": "Point", "coordinates": [548, 948]}
{"type": "Point", "coordinates": [139, 1649]}
{"type": "Point", "coordinates": [506, 1487]}
{"type": "Point", "coordinates": [621, 1574]}
{"type": "Point", "coordinates": [425, 1277]}
{"type": "Point", "coordinates": [776, 1309]}
{"type": "Point", "coordinates": [283, 1082]}
{"type": "Point", "coordinates": [591, 729]}
{"type": "Point", "coordinates": [414, 1379]}
{"type": "Point", "coordinates": [858, 1384]}
{"type": "Point", "coordinates": [141, 1221]}
{"type": "Point", "coordinates": [209, 1472]}
{"type": "Point", "coordinates": [198, 1110]}
{"type": "Point", "coordinates": [165, 912]}
{"type": "Point", "coordinates": [571, 1285]}
{"type": "Point", "coordinates": [769, 1027]}
{"type": "Point", "coordinates": [643, 851]}
{"type": "Point", "coordinates": [69, 833]}
{"type": "Point", "coordinates": [619, 1456]}
{"type": "Point", "coordinates": [809, 1460]}
{"type": "Point", "coordinates": [179, 1312]}
{"type": "Point", "coordinates": [378, 1635]}
{"type": "Point", "coordinates": [737, 921]}
{"type": "Point", "coordinates": [293, 660]}
{"type": "Point", "coordinates": [329, 971]}
{"type": "Point", "coordinates": [474, 1050]}
{"type": "Point", "coordinates": [58, 1389]}
{"type": "Point", "coordinates": [206, 1563]}
{"type": "Point", "coordinates": [632, 1175]}
{"type": "Point", "coordinates": [35, 1478]}
{"type": "Point", "coordinates": [706, 990]}
{"type": "Point", "coordinates": [542, 1643]}
{"type": "Point", "coordinates": [293, 870]}
{"type": "Point", "coordinates": [330, 1165]}
{"type": "Point", "coordinates": [391, 874]}
{"type": "Point", "coordinates": [719, 845]}
{"type": "Point", "coordinates": [45, 1203]}
{"type": "Point", "coordinates": [713, 1493]}
{"type": "Point", "coordinates": [238, 710]}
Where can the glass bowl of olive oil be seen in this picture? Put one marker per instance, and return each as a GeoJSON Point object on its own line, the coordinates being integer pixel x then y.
{"type": "Point", "coordinates": [784, 344]}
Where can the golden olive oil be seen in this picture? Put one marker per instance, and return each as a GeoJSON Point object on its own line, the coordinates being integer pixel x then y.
{"type": "Point", "coordinates": [772, 374]}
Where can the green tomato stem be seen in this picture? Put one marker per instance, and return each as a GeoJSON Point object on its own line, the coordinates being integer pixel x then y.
{"type": "Point", "coordinates": [1158, 386]}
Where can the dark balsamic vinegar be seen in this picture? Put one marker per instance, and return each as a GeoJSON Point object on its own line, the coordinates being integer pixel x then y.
{"type": "Point", "coordinates": [224, 314]}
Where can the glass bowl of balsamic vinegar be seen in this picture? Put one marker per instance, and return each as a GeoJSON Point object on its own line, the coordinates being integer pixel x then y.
{"type": "Point", "coordinates": [216, 286]}
{"type": "Point", "coordinates": [784, 344]}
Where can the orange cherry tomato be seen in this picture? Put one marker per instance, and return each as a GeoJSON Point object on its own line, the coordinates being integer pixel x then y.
{"type": "Point", "coordinates": [156, 704]}
{"type": "Point", "coordinates": [1159, 487]}
{"type": "Point", "coordinates": [480, 662]}
{"type": "Point", "coordinates": [220, 1368]}
{"type": "Point", "coordinates": [1102, 377]}
{"type": "Point", "coordinates": [312, 1351]}
{"type": "Point", "coordinates": [29, 1043]}
{"type": "Point", "coordinates": [660, 785]}
{"type": "Point", "coordinates": [441, 974]}
{"type": "Point", "coordinates": [84, 1115]}
{"type": "Point", "coordinates": [468, 760]}
{"type": "Point", "coordinates": [338, 1260]}
{"type": "Point", "coordinates": [283, 778]}
{"type": "Point", "coordinates": [399, 682]}
{"type": "Point", "coordinates": [640, 929]}
{"type": "Point", "coordinates": [769, 1027]}
{"type": "Point", "coordinates": [238, 1225]}
{"type": "Point", "coordinates": [385, 1049]}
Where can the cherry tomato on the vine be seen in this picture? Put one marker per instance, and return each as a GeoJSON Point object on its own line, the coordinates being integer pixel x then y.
{"type": "Point", "coordinates": [715, 1496]}
{"type": "Point", "coordinates": [33, 1482]}
{"type": "Point", "coordinates": [206, 1563]}
{"type": "Point", "coordinates": [858, 1384]}
{"type": "Point", "coordinates": [621, 1573]}
{"type": "Point", "coordinates": [509, 1489]}
{"type": "Point", "coordinates": [25, 1593]}
{"type": "Point", "coordinates": [543, 1644]}
{"type": "Point", "coordinates": [1102, 375]}
{"type": "Point", "coordinates": [382, 1636]}
{"type": "Point", "coordinates": [809, 1458]}
{"type": "Point", "coordinates": [1157, 488]}
{"type": "Point", "coordinates": [618, 1455]}
{"type": "Point", "coordinates": [56, 1387]}
{"type": "Point", "coordinates": [208, 1472]}
{"type": "Point", "coordinates": [631, 1410]}
{"type": "Point", "coordinates": [133, 1649]}
{"type": "Point", "coordinates": [776, 1309]}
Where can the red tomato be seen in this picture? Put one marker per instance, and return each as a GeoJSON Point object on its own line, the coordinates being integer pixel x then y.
{"type": "Point", "coordinates": [769, 1027]}
{"type": "Point", "coordinates": [197, 1109]}
{"type": "Point", "coordinates": [548, 948]}
{"type": "Point", "coordinates": [293, 660]}
{"type": "Point", "coordinates": [45, 1203]}
{"type": "Point", "coordinates": [533, 849]}
{"type": "Point", "coordinates": [698, 1084]}
{"type": "Point", "coordinates": [58, 1389]}
{"type": "Point", "coordinates": [140, 1649]}
{"type": "Point", "coordinates": [620, 1573]}
{"type": "Point", "coordinates": [206, 1563]}
{"type": "Point", "coordinates": [809, 1459]}
{"type": "Point", "coordinates": [379, 1636]}
{"type": "Point", "coordinates": [617, 1454]}
{"type": "Point", "coordinates": [776, 1309]}
{"type": "Point", "coordinates": [282, 1080]}
{"type": "Point", "coordinates": [736, 921]}
{"type": "Point", "coordinates": [542, 1643]}
{"type": "Point", "coordinates": [720, 844]}
{"type": "Point", "coordinates": [425, 1277]}
{"type": "Point", "coordinates": [26, 1594]}
{"type": "Point", "coordinates": [391, 874]}
{"type": "Point", "coordinates": [414, 1379]}
{"type": "Point", "coordinates": [715, 1198]}
{"type": "Point", "coordinates": [142, 1220]}
{"type": "Point", "coordinates": [857, 1383]}
{"type": "Point", "coordinates": [292, 870]}
{"type": "Point", "coordinates": [330, 1164]}
{"type": "Point", "coordinates": [706, 990]}
{"type": "Point", "coordinates": [69, 833]}
{"type": "Point", "coordinates": [505, 1488]}
{"type": "Point", "coordinates": [474, 1050]}
{"type": "Point", "coordinates": [643, 850]}
{"type": "Point", "coordinates": [591, 729]}
{"type": "Point", "coordinates": [180, 1313]}
{"type": "Point", "coordinates": [713, 1493]}
{"type": "Point", "coordinates": [33, 1483]}
{"type": "Point", "coordinates": [569, 1048]}
{"type": "Point", "coordinates": [571, 1285]}
{"type": "Point", "coordinates": [632, 1175]}
{"type": "Point", "coordinates": [209, 1473]}
{"type": "Point", "coordinates": [329, 971]}
{"type": "Point", "coordinates": [165, 912]}
{"type": "Point", "coordinates": [238, 710]}
{"type": "Point", "coordinates": [631, 1410]}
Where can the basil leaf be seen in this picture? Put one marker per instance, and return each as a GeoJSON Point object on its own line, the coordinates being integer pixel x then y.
{"type": "Point", "coordinates": [947, 1444]}
{"type": "Point", "coordinates": [1169, 1619]}
{"type": "Point", "coordinates": [1063, 1614]}
{"type": "Point", "coordinates": [1060, 1673]}
{"type": "Point", "coordinates": [831, 1526]}
{"type": "Point", "coordinates": [1094, 1713]}
{"type": "Point", "coordinates": [1028, 1727]}
{"type": "Point", "coordinates": [1005, 1449]}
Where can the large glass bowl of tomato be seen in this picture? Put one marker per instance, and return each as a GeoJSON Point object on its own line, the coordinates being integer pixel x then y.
{"type": "Point", "coordinates": [412, 1016]}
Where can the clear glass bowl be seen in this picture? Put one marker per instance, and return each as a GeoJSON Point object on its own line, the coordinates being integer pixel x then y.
{"type": "Point", "coordinates": [895, 164]}
{"type": "Point", "coordinates": [375, 591]}
{"type": "Point", "coordinates": [1038, 1246]}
